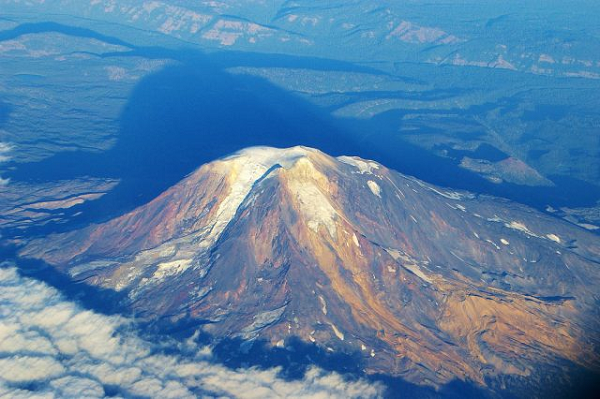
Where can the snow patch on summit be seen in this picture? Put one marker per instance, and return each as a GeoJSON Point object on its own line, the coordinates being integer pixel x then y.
{"type": "Point", "coordinates": [245, 177]}
{"type": "Point", "coordinates": [270, 156]}
{"type": "Point", "coordinates": [246, 168]}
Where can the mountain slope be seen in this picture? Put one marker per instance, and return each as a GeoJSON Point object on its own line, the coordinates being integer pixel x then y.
{"type": "Point", "coordinates": [427, 284]}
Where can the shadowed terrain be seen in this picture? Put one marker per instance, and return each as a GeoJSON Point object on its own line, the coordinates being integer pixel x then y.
{"type": "Point", "coordinates": [195, 111]}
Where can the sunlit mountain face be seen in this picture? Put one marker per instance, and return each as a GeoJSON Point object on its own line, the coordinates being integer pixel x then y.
{"type": "Point", "coordinates": [299, 199]}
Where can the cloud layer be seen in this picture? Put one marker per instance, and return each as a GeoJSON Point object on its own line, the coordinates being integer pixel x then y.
{"type": "Point", "coordinates": [51, 347]}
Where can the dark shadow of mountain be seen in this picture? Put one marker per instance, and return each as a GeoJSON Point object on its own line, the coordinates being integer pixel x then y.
{"type": "Point", "coordinates": [180, 118]}
{"type": "Point", "coordinates": [196, 111]}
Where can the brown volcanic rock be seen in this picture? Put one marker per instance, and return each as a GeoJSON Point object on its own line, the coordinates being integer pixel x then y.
{"type": "Point", "coordinates": [426, 283]}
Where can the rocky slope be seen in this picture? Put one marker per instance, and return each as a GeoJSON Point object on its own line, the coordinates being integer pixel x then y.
{"type": "Point", "coordinates": [426, 284]}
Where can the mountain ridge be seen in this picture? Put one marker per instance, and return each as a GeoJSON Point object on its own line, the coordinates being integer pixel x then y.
{"type": "Point", "coordinates": [427, 284]}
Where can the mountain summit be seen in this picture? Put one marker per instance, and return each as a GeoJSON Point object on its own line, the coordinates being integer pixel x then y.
{"type": "Point", "coordinates": [425, 283]}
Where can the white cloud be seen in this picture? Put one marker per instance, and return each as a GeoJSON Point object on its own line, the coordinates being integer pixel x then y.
{"type": "Point", "coordinates": [77, 387]}
{"type": "Point", "coordinates": [4, 150]}
{"type": "Point", "coordinates": [62, 350]}
{"type": "Point", "coordinates": [4, 157]}
{"type": "Point", "coordinates": [19, 368]}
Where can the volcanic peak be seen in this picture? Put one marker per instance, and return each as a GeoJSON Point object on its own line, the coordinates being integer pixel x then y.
{"type": "Point", "coordinates": [274, 243]}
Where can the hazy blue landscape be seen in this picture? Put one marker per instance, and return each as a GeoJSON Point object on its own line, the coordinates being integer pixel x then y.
{"type": "Point", "coordinates": [118, 121]}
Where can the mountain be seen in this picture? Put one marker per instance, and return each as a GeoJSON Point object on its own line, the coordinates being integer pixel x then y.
{"type": "Point", "coordinates": [422, 283]}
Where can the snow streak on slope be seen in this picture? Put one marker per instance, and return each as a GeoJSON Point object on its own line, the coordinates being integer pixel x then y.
{"type": "Point", "coordinates": [247, 167]}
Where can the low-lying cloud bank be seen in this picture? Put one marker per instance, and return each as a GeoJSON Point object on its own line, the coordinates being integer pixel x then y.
{"type": "Point", "coordinates": [51, 347]}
